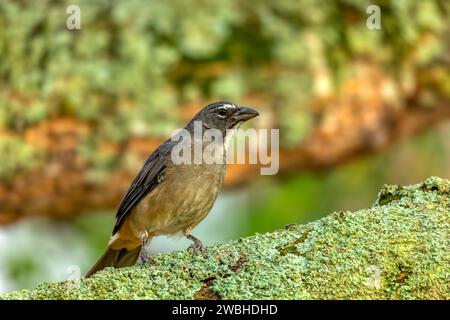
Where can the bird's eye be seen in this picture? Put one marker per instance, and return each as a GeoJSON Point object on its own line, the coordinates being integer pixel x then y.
{"type": "Point", "coordinates": [222, 112]}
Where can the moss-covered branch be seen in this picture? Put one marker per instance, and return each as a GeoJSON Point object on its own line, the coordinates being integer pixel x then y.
{"type": "Point", "coordinates": [396, 249]}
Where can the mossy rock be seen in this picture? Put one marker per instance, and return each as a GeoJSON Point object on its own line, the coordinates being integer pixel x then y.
{"type": "Point", "coordinates": [396, 249]}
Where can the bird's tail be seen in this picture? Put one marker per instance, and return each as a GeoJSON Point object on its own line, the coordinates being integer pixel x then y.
{"type": "Point", "coordinates": [115, 258]}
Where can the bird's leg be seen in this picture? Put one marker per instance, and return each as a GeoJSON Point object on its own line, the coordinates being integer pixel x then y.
{"type": "Point", "coordinates": [143, 255]}
{"type": "Point", "coordinates": [197, 246]}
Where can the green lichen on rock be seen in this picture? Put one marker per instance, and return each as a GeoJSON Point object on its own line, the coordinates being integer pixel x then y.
{"type": "Point", "coordinates": [396, 249]}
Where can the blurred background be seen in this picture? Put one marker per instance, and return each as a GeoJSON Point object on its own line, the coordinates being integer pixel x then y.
{"type": "Point", "coordinates": [80, 110]}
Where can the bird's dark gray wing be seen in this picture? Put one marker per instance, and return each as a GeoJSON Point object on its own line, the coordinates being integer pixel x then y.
{"type": "Point", "coordinates": [151, 174]}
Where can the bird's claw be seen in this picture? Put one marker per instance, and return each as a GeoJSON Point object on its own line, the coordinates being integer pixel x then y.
{"type": "Point", "coordinates": [196, 246]}
{"type": "Point", "coordinates": [145, 258]}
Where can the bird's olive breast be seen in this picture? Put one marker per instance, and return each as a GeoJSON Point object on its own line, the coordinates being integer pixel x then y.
{"type": "Point", "coordinates": [182, 200]}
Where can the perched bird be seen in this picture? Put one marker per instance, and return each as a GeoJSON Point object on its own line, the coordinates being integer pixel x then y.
{"type": "Point", "coordinates": [168, 197]}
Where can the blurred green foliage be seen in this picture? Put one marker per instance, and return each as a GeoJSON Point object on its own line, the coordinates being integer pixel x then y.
{"type": "Point", "coordinates": [15, 156]}
{"type": "Point", "coordinates": [133, 62]}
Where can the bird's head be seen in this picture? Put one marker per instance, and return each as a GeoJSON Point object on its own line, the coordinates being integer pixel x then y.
{"type": "Point", "coordinates": [224, 115]}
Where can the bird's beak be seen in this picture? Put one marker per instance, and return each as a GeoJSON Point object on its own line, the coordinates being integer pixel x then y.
{"type": "Point", "coordinates": [243, 114]}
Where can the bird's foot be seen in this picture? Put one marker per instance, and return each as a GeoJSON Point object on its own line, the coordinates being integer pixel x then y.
{"type": "Point", "coordinates": [145, 258]}
{"type": "Point", "coordinates": [143, 255]}
{"type": "Point", "coordinates": [196, 246]}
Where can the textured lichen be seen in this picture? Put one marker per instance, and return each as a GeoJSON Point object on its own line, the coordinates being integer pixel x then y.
{"type": "Point", "coordinates": [397, 249]}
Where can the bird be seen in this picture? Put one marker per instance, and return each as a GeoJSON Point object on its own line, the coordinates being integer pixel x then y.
{"type": "Point", "coordinates": [170, 197]}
